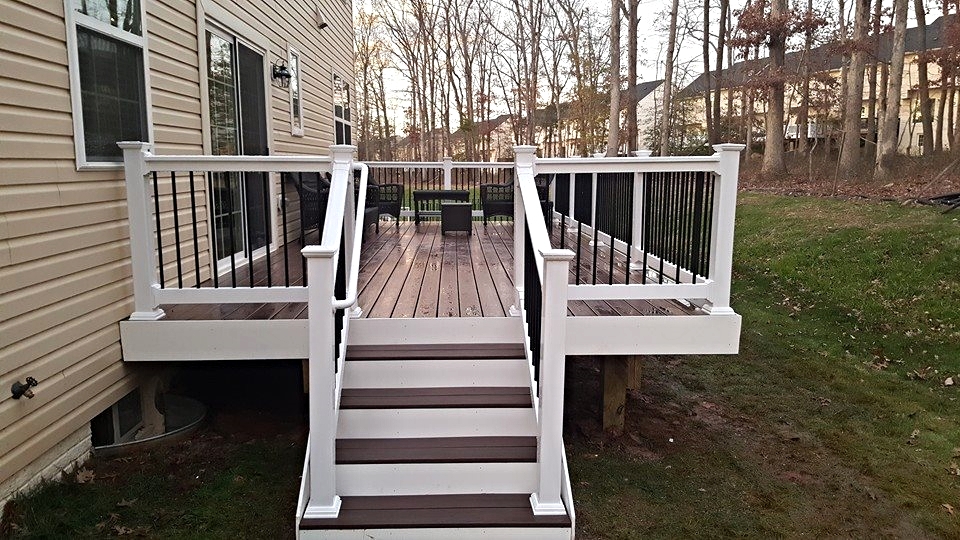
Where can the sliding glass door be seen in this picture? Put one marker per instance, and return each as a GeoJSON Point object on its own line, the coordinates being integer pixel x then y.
{"type": "Point", "coordinates": [239, 201]}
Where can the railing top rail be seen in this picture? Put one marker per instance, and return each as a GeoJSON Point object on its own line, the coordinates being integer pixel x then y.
{"type": "Point", "coordinates": [153, 163]}
{"type": "Point", "coordinates": [533, 213]}
{"type": "Point", "coordinates": [438, 164]}
{"type": "Point", "coordinates": [628, 164]}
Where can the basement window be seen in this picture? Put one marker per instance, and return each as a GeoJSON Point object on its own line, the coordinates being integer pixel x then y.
{"type": "Point", "coordinates": [119, 423]}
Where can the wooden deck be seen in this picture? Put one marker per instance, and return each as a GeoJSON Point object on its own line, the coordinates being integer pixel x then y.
{"type": "Point", "coordinates": [414, 271]}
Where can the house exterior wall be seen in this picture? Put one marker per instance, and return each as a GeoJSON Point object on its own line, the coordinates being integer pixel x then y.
{"type": "Point", "coordinates": [65, 275]}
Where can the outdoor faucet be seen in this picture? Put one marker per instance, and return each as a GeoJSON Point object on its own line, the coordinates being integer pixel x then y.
{"type": "Point", "coordinates": [20, 389]}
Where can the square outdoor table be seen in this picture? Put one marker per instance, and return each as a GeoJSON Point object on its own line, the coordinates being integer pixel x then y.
{"type": "Point", "coordinates": [423, 197]}
{"type": "Point", "coordinates": [456, 216]}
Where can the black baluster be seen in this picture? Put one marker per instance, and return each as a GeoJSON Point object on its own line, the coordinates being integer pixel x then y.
{"type": "Point", "coordinates": [156, 214]}
{"type": "Point", "coordinates": [176, 228]}
{"type": "Point", "coordinates": [196, 240]}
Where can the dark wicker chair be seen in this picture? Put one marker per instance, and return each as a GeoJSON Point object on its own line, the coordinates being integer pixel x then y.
{"type": "Point", "coordinates": [497, 200]}
{"type": "Point", "coordinates": [391, 200]}
{"type": "Point", "coordinates": [313, 190]}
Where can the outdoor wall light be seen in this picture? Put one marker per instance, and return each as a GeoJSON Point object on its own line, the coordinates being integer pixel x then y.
{"type": "Point", "coordinates": [20, 389]}
{"type": "Point", "coordinates": [281, 74]}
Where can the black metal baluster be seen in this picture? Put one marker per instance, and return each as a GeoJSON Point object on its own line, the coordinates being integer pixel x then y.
{"type": "Point", "coordinates": [532, 300]}
{"type": "Point", "coordinates": [682, 236]}
{"type": "Point", "coordinates": [594, 266]}
{"type": "Point", "coordinates": [697, 226]}
{"type": "Point", "coordinates": [266, 224]}
{"type": "Point", "coordinates": [233, 240]}
{"type": "Point", "coordinates": [196, 240]}
{"type": "Point", "coordinates": [579, 241]}
{"type": "Point", "coordinates": [648, 182]}
{"type": "Point", "coordinates": [156, 214]}
{"type": "Point", "coordinates": [176, 228]}
{"type": "Point", "coordinates": [283, 243]}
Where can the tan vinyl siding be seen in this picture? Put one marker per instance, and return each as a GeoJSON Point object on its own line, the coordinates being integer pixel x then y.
{"type": "Point", "coordinates": [64, 249]}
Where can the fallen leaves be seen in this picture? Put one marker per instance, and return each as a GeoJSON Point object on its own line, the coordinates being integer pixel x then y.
{"type": "Point", "coordinates": [85, 476]}
{"type": "Point", "coordinates": [125, 503]}
{"type": "Point", "coordinates": [947, 508]}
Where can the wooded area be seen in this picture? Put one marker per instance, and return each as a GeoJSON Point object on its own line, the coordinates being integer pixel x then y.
{"type": "Point", "coordinates": [844, 80]}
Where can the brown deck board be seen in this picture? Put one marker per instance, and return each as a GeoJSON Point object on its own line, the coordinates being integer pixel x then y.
{"type": "Point", "coordinates": [433, 398]}
{"type": "Point", "coordinates": [438, 450]}
{"type": "Point", "coordinates": [434, 511]}
{"type": "Point", "coordinates": [433, 352]}
{"type": "Point", "coordinates": [448, 304]}
{"type": "Point", "coordinates": [392, 279]}
{"type": "Point", "coordinates": [410, 289]}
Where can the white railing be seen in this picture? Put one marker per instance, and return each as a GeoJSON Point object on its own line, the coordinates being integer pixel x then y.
{"type": "Point", "coordinates": [326, 356]}
{"type": "Point", "coordinates": [681, 218]}
{"type": "Point", "coordinates": [147, 208]}
{"type": "Point", "coordinates": [325, 311]}
{"type": "Point", "coordinates": [543, 272]}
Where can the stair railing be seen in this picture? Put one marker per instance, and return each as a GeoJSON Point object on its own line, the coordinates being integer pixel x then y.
{"type": "Point", "coordinates": [332, 290]}
{"type": "Point", "coordinates": [542, 271]}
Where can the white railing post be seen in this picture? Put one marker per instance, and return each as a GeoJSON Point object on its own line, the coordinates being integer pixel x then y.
{"type": "Point", "coordinates": [342, 156]}
{"type": "Point", "coordinates": [724, 214]}
{"type": "Point", "coordinates": [556, 266]}
{"type": "Point", "coordinates": [447, 172]}
{"type": "Point", "coordinates": [525, 162]}
{"type": "Point", "coordinates": [143, 256]}
{"type": "Point", "coordinates": [321, 264]}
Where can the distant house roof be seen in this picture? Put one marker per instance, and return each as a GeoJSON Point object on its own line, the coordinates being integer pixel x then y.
{"type": "Point", "coordinates": [823, 58]}
{"type": "Point", "coordinates": [639, 91]}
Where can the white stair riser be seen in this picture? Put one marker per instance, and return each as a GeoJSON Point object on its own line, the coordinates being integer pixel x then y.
{"type": "Point", "coordinates": [434, 373]}
{"type": "Point", "coordinates": [435, 478]}
{"type": "Point", "coordinates": [411, 423]}
{"type": "Point", "coordinates": [498, 533]}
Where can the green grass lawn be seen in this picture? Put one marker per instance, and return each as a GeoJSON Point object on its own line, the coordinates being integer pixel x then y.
{"type": "Point", "coordinates": [833, 421]}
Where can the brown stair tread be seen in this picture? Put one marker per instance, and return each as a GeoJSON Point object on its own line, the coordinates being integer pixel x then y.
{"type": "Point", "coordinates": [435, 511]}
{"type": "Point", "coordinates": [433, 398]}
{"type": "Point", "coordinates": [438, 450]}
{"type": "Point", "coordinates": [432, 352]}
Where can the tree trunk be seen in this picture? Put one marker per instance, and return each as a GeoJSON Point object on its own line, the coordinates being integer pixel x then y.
{"type": "Point", "coordinates": [926, 111]}
{"type": "Point", "coordinates": [850, 152]}
{"type": "Point", "coordinates": [803, 116]}
{"type": "Point", "coordinates": [718, 131]}
{"type": "Point", "coordinates": [872, 80]}
{"type": "Point", "coordinates": [887, 146]}
{"type": "Point", "coordinates": [945, 94]}
{"type": "Point", "coordinates": [633, 135]}
{"type": "Point", "coordinates": [668, 82]}
{"type": "Point", "coordinates": [613, 133]}
{"type": "Point", "coordinates": [773, 146]}
{"type": "Point", "coordinates": [707, 94]}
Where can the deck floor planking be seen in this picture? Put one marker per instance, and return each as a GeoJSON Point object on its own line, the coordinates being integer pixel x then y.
{"type": "Point", "coordinates": [411, 271]}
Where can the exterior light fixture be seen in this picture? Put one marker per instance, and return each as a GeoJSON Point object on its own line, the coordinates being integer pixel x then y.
{"type": "Point", "coordinates": [280, 73]}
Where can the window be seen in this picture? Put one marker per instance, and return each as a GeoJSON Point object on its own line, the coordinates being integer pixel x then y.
{"type": "Point", "coordinates": [341, 111]}
{"type": "Point", "coordinates": [108, 77]}
{"type": "Point", "coordinates": [296, 95]}
{"type": "Point", "coordinates": [119, 423]}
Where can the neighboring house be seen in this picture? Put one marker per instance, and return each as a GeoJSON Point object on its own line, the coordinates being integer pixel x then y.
{"type": "Point", "coordinates": [75, 78]}
{"type": "Point", "coordinates": [826, 64]}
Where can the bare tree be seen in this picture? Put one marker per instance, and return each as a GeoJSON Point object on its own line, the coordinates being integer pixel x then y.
{"type": "Point", "coordinates": [633, 21]}
{"type": "Point", "coordinates": [668, 81]}
{"type": "Point", "coordinates": [926, 111]}
{"type": "Point", "coordinates": [850, 151]}
{"type": "Point", "coordinates": [613, 126]}
{"type": "Point", "coordinates": [887, 144]}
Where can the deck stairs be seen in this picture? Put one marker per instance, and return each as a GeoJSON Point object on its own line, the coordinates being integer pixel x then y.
{"type": "Point", "coordinates": [436, 441]}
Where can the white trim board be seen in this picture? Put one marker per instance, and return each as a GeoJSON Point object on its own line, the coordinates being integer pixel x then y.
{"type": "Point", "coordinates": [479, 533]}
{"type": "Point", "coordinates": [650, 334]}
{"type": "Point", "coordinates": [446, 331]}
{"type": "Point", "coordinates": [146, 341]}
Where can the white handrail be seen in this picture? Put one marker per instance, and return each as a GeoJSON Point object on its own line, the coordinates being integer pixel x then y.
{"type": "Point", "coordinates": [350, 297]}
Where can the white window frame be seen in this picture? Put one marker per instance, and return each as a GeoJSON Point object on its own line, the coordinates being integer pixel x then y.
{"type": "Point", "coordinates": [296, 121]}
{"type": "Point", "coordinates": [333, 102]}
{"type": "Point", "coordinates": [73, 18]}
